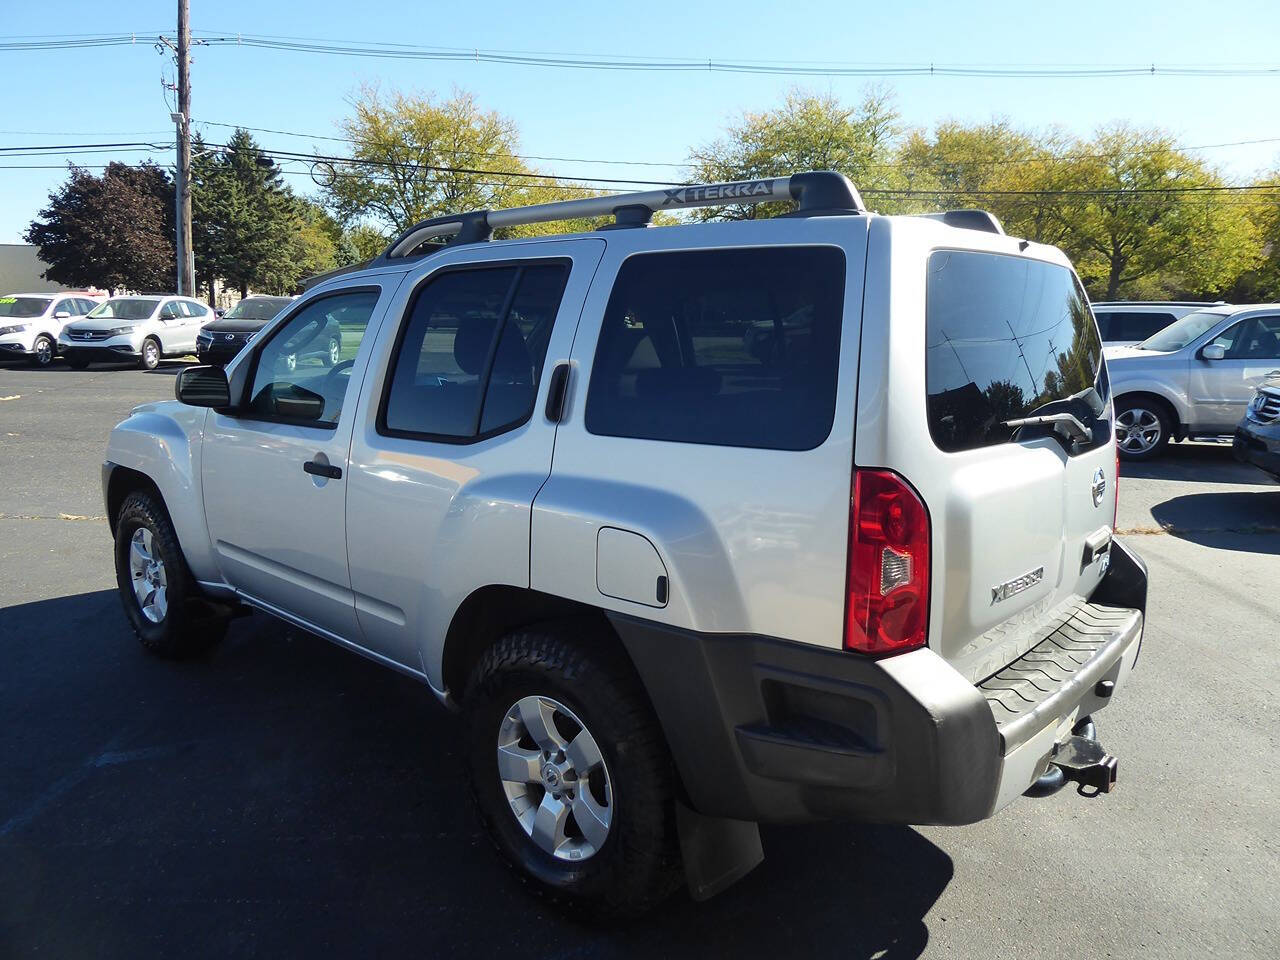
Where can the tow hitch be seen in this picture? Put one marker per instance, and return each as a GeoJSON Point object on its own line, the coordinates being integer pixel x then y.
{"type": "Point", "coordinates": [1080, 759]}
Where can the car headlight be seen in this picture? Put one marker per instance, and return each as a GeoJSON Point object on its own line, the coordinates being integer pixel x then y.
{"type": "Point", "coordinates": [15, 328]}
{"type": "Point", "coordinates": [121, 331]}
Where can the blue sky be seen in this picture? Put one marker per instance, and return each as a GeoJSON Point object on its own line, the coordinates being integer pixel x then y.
{"type": "Point", "coordinates": [115, 93]}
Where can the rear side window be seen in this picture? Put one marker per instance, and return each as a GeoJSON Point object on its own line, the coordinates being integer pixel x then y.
{"type": "Point", "coordinates": [1007, 338]}
{"type": "Point", "coordinates": [729, 347]}
{"type": "Point", "coordinates": [1134, 327]}
{"type": "Point", "coordinates": [471, 352]}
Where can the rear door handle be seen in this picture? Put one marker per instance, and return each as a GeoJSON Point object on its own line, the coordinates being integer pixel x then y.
{"type": "Point", "coordinates": [322, 470]}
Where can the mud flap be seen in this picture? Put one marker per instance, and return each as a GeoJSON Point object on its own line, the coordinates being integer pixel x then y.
{"type": "Point", "coordinates": [717, 852]}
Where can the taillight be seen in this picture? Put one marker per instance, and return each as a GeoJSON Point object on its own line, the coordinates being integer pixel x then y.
{"type": "Point", "coordinates": [887, 602]}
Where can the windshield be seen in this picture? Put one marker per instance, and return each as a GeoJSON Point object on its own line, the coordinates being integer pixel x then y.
{"type": "Point", "coordinates": [22, 306]}
{"type": "Point", "coordinates": [256, 308]}
{"type": "Point", "coordinates": [126, 308]}
{"type": "Point", "coordinates": [1181, 332]}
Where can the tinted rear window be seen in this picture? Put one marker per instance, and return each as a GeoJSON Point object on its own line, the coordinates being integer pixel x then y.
{"type": "Point", "coordinates": [1007, 338]}
{"type": "Point", "coordinates": [1130, 326]}
{"type": "Point", "coordinates": [729, 347]}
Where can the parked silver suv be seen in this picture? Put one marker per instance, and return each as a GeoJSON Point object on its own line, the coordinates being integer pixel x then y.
{"type": "Point", "coordinates": [701, 526]}
{"type": "Point", "coordinates": [1194, 378]}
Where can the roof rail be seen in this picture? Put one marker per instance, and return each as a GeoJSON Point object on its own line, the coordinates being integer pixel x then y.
{"type": "Point", "coordinates": [815, 194]}
{"type": "Point", "coordinates": [968, 220]}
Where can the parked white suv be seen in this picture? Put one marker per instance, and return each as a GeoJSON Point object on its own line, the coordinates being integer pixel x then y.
{"type": "Point", "coordinates": [30, 322]}
{"type": "Point", "coordinates": [680, 578]}
{"type": "Point", "coordinates": [138, 328]}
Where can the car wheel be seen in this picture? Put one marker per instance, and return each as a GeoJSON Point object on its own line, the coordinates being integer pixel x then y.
{"type": "Point", "coordinates": [333, 353]}
{"type": "Point", "coordinates": [78, 363]}
{"type": "Point", "coordinates": [150, 354]}
{"type": "Point", "coordinates": [42, 352]}
{"type": "Point", "coordinates": [570, 772]}
{"type": "Point", "coordinates": [1142, 429]}
{"type": "Point", "coordinates": [159, 595]}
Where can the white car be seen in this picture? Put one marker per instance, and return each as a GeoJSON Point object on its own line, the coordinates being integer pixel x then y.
{"type": "Point", "coordinates": [138, 328]}
{"type": "Point", "coordinates": [1124, 323]}
{"type": "Point", "coordinates": [861, 568]}
{"type": "Point", "coordinates": [30, 322]}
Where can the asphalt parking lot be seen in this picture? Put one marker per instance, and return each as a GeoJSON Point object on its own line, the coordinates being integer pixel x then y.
{"type": "Point", "coordinates": [282, 797]}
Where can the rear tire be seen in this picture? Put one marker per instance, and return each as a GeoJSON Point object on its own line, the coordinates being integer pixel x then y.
{"type": "Point", "coordinates": [613, 850]}
{"type": "Point", "coordinates": [1143, 428]}
{"type": "Point", "coordinates": [42, 351]}
{"type": "Point", "coordinates": [160, 597]}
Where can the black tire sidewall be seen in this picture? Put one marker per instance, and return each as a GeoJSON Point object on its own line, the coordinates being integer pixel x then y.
{"type": "Point", "coordinates": [35, 351]}
{"type": "Point", "coordinates": [611, 881]}
{"type": "Point", "coordinates": [146, 363]}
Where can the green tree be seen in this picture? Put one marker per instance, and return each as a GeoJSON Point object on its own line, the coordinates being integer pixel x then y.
{"type": "Point", "coordinates": [1261, 284]}
{"type": "Point", "coordinates": [114, 231]}
{"type": "Point", "coordinates": [807, 132]}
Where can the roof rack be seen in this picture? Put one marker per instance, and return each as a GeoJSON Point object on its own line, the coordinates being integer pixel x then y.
{"type": "Point", "coordinates": [968, 220]}
{"type": "Point", "coordinates": [817, 193]}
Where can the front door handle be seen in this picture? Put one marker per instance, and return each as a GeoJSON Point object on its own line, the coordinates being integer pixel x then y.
{"type": "Point", "coordinates": [322, 470]}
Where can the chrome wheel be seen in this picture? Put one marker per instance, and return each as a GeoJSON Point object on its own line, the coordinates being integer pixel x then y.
{"type": "Point", "coordinates": [150, 584]}
{"type": "Point", "coordinates": [555, 778]}
{"type": "Point", "coordinates": [43, 351]}
{"type": "Point", "coordinates": [1137, 430]}
{"type": "Point", "coordinates": [150, 355]}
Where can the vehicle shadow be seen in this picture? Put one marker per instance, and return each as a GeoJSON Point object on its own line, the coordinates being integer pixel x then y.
{"type": "Point", "coordinates": [1235, 520]}
{"type": "Point", "coordinates": [1195, 462]}
{"type": "Point", "coordinates": [281, 796]}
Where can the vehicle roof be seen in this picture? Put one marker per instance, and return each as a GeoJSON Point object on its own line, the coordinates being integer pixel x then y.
{"type": "Point", "coordinates": [1160, 303]}
{"type": "Point", "coordinates": [947, 234]}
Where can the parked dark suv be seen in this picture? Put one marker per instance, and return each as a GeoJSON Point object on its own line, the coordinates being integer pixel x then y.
{"type": "Point", "coordinates": [220, 340]}
{"type": "Point", "coordinates": [1257, 438]}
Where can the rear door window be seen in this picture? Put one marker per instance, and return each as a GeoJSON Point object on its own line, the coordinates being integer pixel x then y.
{"type": "Point", "coordinates": [1007, 338]}
{"type": "Point", "coordinates": [728, 347]}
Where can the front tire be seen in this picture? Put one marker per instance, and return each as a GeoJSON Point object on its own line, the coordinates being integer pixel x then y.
{"type": "Point", "coordinates": [570, 772]}
{"type": "Point", "coordinates": [1143, 429]}
{"type": "Point", "coordinates": [42, 351]}
{"type": "Point", "coordinates": [160, 597]}
{"type": "Point", "coordinates": [150, 358]}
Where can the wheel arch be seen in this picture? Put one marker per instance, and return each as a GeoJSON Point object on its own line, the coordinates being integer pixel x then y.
{"type": "Point", "coordinates": [122, 481]}
{"type": "Point", "coordinates": [491, 612]}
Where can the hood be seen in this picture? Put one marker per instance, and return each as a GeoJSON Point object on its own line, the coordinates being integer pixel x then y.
{"type": "Point", "coordinates": [1126, 353]}
{"type": "Point", "coordinates": [234, 326]}
{"type": "Point", "coordinates": [100, 323]}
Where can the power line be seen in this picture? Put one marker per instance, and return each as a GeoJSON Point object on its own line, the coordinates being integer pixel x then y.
{"type": "Point", "coordinates": [655, 63]}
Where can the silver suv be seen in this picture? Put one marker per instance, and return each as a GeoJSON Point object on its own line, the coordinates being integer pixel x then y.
{"type": "Point", "coordinates": [1194, 378]}
{"type": "Point", "coordinates": [701, 526]}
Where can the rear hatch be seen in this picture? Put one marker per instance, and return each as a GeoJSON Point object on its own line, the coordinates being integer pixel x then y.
{"type": "Point", "coordinates": [1020, 515]}
{"type": "Point", "coordinates": [1029, 507]}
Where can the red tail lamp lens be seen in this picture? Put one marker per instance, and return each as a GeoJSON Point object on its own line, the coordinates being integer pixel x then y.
{"type": "Point", "coordinates": [887, 604]}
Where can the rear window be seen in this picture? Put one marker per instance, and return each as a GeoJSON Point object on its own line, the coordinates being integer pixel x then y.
{"type": "Point", "coordinates": [729, 347]}
{"type": "Point", "coordinates": [1007, 338]}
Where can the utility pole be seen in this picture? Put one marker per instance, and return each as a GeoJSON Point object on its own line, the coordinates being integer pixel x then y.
{"type": "Point", "coordinates": [186, 256]}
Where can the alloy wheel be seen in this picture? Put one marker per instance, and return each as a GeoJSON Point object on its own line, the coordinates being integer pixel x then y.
{"type": "Point", "coordinates": [44, 351]}
{"type": "Point", "coordinates": [150, 584]}
{"type": "Point", "coordinates": [1138, 430]}
{"type": "Point", "coordinates": [555, 779]}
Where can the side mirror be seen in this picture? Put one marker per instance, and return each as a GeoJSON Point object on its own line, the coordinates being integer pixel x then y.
{"type": "Point", "coordinates": [1213, 351]}
{"type": "Point", "coordinates": [203, 387]}
{"type": "Point", "coordinates": [63, 314]}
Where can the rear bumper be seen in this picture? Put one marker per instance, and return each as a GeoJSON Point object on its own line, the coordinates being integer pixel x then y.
{"type": "Point", "coordinates": [1258, 444]}
{"type": "Point", "coordinates": [769, 730]}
